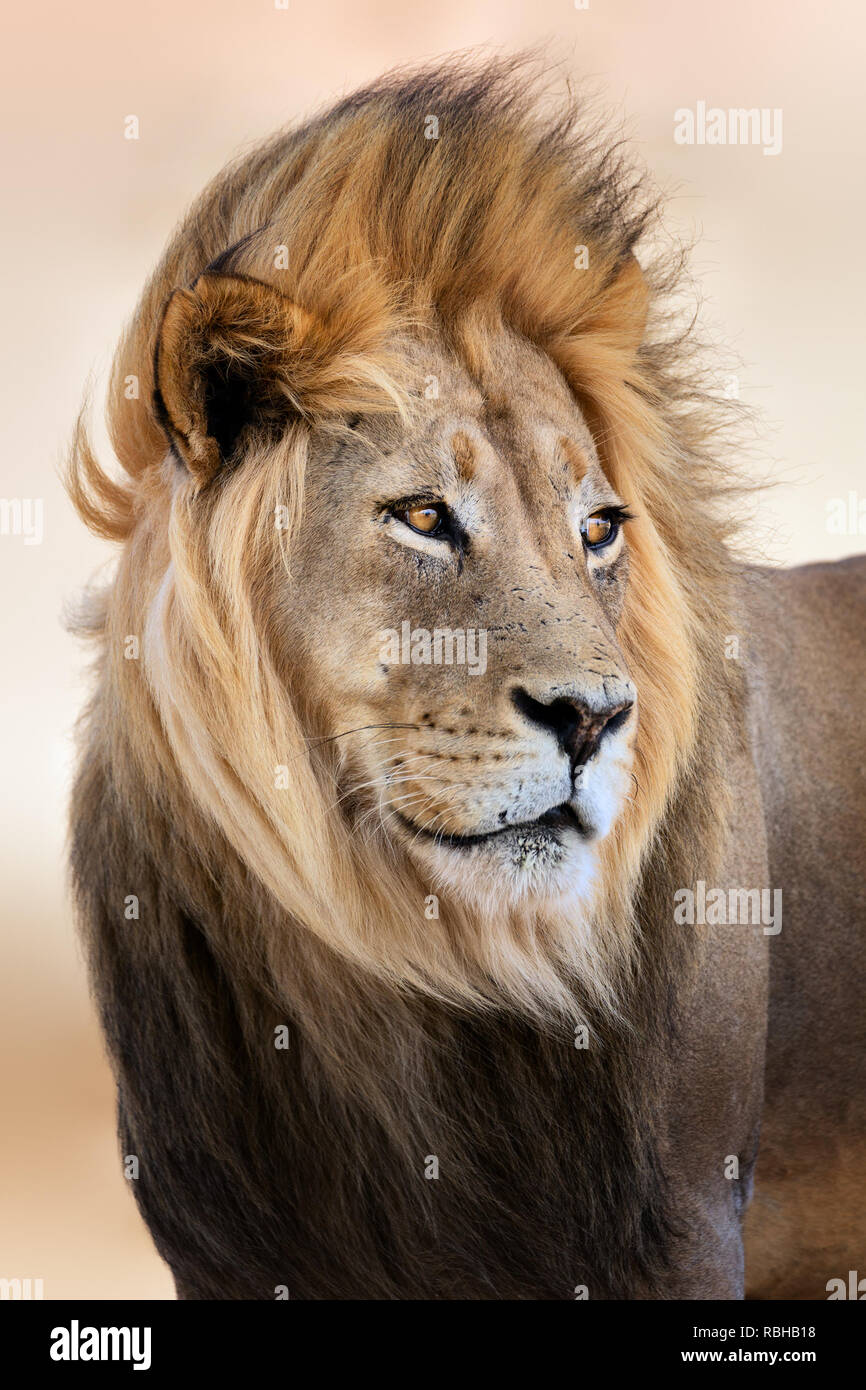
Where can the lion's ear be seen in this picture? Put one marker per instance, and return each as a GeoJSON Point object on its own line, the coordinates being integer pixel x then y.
{"type": "Point", "coordinates": [221, 366]}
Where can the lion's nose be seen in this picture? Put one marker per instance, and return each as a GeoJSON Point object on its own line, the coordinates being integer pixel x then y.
{"type": "Point", "coordinates": [577, 726]}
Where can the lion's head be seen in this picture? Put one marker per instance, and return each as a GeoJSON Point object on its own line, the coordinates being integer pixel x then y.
{"type": "Point", "coordinates": [418, 540]}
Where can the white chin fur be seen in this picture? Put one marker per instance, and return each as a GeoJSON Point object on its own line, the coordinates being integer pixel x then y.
{"type": "Point", "coordinates": [503, 872]}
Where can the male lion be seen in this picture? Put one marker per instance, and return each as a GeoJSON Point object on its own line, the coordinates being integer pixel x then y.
{"type": "Point", "coordinates": [430, 691]}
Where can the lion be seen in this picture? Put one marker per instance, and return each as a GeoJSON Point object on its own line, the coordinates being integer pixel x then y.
{"type": "Point", "coordinates": [429, 687]}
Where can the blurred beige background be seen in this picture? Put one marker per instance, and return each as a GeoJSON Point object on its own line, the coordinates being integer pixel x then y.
{"type": "Point", "coordinates": [780, 263]}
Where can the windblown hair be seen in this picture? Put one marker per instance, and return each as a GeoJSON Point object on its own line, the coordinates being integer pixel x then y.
{"type": "Point", "coordinates": [303, 1167]}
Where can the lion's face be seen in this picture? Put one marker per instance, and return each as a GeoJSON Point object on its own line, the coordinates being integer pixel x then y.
{"type": "Point", "coordinates": [453, 608]}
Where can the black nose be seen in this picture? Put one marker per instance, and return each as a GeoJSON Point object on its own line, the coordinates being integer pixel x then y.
{"type": "Point", "coordinates": [577, 727]}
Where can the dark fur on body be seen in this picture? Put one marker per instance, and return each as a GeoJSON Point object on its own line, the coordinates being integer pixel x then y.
{"type": "Point", "coordinates": [305, 1167]}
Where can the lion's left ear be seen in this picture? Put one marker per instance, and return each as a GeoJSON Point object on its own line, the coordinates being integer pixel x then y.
{"type": "Point", "coordinates": [223, 366]}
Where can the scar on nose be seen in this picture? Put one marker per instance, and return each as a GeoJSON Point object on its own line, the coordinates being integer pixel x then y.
{"type": "Point", "coordinates": [464, 454]}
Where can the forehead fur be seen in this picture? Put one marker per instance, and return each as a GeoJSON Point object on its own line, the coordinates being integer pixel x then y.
{"type": "Point", "coordinates": [507, 384]}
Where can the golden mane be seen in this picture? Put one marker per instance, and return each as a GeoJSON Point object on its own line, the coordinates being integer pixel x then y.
{"type": "Point", "coordinates": [371, 220]}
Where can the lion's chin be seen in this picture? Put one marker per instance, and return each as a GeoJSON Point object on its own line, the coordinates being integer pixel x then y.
{"type": "Point", "coordinates": [550, 861]}
{"type": "Point", "coordinates": [524, 863]}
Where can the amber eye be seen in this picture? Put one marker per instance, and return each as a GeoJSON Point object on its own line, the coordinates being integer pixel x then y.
{"type": "Point", "coordinates": [427, 517]}
{"type": "Point", "coordinates": [599, 530]}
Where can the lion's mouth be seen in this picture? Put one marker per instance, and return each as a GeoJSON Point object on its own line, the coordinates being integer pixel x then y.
{"type": "Point", "coordinates": [548, 825]}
